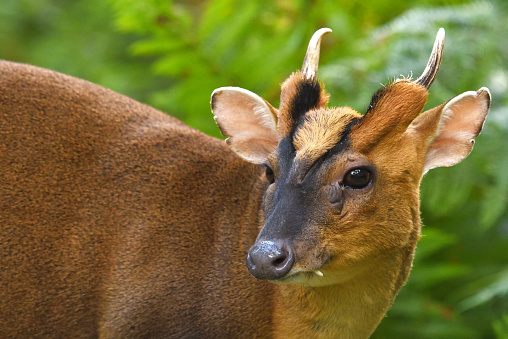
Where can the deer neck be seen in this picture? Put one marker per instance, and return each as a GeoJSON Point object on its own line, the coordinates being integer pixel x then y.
{"type": "Point", "coordinates": [352, 309]}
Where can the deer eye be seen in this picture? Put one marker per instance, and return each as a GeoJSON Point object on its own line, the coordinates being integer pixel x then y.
{"type": "Point", "coordinates": [269, 175]}
{"type": "Point", "coordinates": [357, 178]}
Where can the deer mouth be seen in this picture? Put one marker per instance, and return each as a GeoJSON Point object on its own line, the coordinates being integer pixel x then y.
{"type": "Point", "coordinates": [315, 274]}
{"type": "Point", "coordinates": [304, 278]}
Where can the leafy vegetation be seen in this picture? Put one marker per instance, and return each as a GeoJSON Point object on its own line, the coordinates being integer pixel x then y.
{"type": "Point", "coordinates": [173, 54]}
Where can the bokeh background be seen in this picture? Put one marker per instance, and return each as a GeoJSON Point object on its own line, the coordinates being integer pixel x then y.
{"type": "Point", "coordinates": [173, 54]}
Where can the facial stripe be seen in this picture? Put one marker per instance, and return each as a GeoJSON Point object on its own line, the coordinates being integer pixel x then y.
{"type": "Point", "coordinates": [376, 97]}
{"type": "Point", "coordinates": [298, 96]}
{"type": "Point", "coordinates": [320, 131]}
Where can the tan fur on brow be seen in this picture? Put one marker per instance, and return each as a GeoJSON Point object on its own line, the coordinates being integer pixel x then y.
{"type": "Point", "coordinates": [321, 130]}
{"type": "Point", "coordinates": [288, 91]}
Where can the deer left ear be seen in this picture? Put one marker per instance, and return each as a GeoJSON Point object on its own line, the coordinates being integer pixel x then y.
{"type": "Point", "coordinates": [450, 129]}
{"type": "Point", "coordinates": [248, 120]}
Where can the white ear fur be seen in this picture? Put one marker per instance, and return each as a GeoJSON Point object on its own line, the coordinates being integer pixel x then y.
{"type": "Point", "coordinates": [460, 122]}
{"type": "Point", "coordinates": [248, 120]}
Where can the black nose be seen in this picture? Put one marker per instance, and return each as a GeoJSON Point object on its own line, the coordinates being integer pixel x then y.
{"type": "Point", "coordinates": [270, 259]}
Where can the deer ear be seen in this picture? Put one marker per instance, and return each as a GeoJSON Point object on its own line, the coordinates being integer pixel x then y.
{"type": "Point", "coordinates": [248, 120]}
{"type": "Point", "coordinates": [460, 120]}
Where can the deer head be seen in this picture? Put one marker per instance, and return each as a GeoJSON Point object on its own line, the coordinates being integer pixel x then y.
{"type": "Point", "coordinates": [343, 188]}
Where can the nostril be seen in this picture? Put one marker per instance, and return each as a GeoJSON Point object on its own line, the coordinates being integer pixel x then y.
{"type": "Point", "coordinates": [279, 261]}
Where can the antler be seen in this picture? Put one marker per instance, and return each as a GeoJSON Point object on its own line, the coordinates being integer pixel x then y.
{"type": "Point", "coordinates": [429, 74]}
{"type": "Point", "coordinates": [311, 61]}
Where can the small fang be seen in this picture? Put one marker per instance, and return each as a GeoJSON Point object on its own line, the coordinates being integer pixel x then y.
{"type": "Point", "coordinates": [319, 273]}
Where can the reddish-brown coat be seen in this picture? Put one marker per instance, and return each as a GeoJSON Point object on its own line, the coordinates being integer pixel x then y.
{"type": "Point", "coordinates": [108, 218]}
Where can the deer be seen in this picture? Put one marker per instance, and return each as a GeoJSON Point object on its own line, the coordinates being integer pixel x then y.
{"type": "Point", "coordinates": [119, 221]}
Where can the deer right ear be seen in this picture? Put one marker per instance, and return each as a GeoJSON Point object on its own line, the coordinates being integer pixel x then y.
{"type": "Point", "coordinates": [450, 129]}
{"type": "Point", "coordinates": [249, 122]}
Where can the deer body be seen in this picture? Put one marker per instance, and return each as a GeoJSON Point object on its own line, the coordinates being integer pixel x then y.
{"type": "Point", "coordinates": [118, 221]}
{"type": "Point", "coordinates": [99, 231]}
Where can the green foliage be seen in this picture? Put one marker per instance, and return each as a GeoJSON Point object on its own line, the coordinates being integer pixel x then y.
{"type": "Point", "coordinates": [501, 327]}
{"type": "Point", "coordinates": [74, 37]}
{"type": "Point", "coordinates": [173, 54]}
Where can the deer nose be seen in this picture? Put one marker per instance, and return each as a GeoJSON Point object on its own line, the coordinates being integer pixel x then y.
{"type": "Point", "coordinates": [270, 260]}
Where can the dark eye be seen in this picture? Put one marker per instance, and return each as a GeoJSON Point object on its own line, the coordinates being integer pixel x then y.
{"type": "Point", "coordinates": [357, 178]}
{"type": "Point", "coordinates": [269, 175]}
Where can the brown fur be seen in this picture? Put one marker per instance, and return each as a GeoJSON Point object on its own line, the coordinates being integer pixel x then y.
{"type": "Point", "coordinates": [392, 113]}
{"type": "Point", "coordinates": [321, 130]}
{"type": "Point", "coordinates": [100, 234]}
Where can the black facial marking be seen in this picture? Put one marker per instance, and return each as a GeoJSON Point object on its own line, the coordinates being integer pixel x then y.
{"type": "Point", "coordinates": [344, 139]}
{"type": "Point", "coordinates": [286, 154]}
{"type": "Point", "coordinates": [287, 151]}
{"type": "Point", "coordinates": [338, 148]}
{"type": "Point", "coordinates": [376, 97]}
{"type": "Point", "coordinates": [289, 211]}
{"type": "Point", "coordinates": [305, 99]}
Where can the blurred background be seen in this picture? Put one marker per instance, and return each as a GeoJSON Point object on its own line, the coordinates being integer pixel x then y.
{"type": "Point", "coordinates": [173, 54]}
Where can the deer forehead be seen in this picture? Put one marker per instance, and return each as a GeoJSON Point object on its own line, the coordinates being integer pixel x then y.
{"type": "Point", "coordinates": [321, 130]}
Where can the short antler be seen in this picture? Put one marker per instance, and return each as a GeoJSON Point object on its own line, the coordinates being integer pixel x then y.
{"type": "Point", "coordinates": [311, 61]}
{"type": "Point", "coordinates": [430, 72]}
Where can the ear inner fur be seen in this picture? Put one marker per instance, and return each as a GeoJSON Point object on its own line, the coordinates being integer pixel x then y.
{"type": "Point", "coordinates": [461, 121]}
{"type": "Point", "coordinates": [248, 120]}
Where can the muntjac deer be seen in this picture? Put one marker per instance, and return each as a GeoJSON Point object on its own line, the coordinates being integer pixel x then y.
{"type": "Point", "coordinates": [118, 221]}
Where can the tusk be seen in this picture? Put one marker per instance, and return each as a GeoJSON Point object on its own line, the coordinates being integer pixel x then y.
{"type": "Point", "coordinates": [311, 61]}
{"type": "Point", "coordinates": [429, 74]}
{"type": "Point", "coordinates": [318, 272]}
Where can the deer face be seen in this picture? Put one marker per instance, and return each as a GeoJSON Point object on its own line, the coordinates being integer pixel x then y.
{"type": "Point", "coordinates": [342, 188]}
